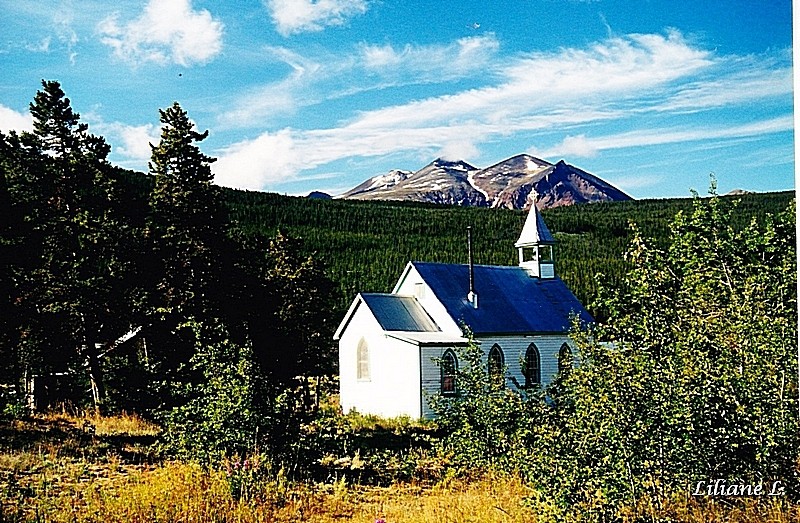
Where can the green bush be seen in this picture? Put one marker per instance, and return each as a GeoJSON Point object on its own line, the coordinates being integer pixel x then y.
{"type": "Point", "coordinates": [697, 377]}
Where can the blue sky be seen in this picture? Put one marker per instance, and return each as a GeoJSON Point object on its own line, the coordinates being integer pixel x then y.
{"type": "Point", "coordinates": [303, 95]}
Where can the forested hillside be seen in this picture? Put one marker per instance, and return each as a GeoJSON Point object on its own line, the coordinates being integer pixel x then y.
{"type": "Point", "coordinates": [365, 245]}
{"type": "Point", "coordinates": [210, 314]}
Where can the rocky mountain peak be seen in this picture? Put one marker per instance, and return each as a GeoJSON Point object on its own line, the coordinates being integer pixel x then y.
{"type": "Point", "coordinates": [508, 183]}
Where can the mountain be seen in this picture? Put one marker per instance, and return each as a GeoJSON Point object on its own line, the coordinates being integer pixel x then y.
{"type": "Point", "coordinates": [440, 181]}
{"type": "Point", "coordinates": [319, 195]}
{"type": "Point", "coordinates": [507, 184]}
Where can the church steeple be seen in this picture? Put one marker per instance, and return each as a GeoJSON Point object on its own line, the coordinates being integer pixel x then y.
{"type": "Point", "coordinates": [535, 245]}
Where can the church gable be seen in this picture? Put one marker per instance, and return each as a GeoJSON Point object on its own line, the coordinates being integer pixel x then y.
{"type": "Point", "coordinates": [391, 345]}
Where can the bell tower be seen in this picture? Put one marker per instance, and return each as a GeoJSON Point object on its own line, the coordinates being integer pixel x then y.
{"type": "Point", "coordinates": [535, 245]}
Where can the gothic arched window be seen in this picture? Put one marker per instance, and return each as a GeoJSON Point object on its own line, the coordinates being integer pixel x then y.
{"type": "Point", "coordinates": [448, 368]}
{"type": "Point", "coordinates": [362, 360]}
{"type": "Point", "coordinates": [564, 359]}
{"type": "Point", "coordinates": [496, 365]}
{"type": "Point", "coordinates": [532, 366]}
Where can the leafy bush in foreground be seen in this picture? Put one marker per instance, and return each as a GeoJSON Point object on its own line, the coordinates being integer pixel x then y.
{"type": "Point", "coordinates": [693, 378]}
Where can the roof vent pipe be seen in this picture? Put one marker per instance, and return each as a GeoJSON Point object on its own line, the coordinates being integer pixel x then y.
{"type": "Point", "coordinates": [472, 296]}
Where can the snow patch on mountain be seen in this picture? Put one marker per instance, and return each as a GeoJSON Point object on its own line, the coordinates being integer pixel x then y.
{"type": "Point", "coordinates": [390, 179]}
{"type": "Point", "coordinates": [471, 180]}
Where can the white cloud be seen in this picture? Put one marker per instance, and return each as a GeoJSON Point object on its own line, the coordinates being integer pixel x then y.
{"type": "Point", "coordinates": [132, 142]}
{"type": "Point", "coordinates": [11, 120]}
{"type": "Point", "coordinates": [536, 93]}
{"type": "Point", "coordinates": [459, 149]}
{"type": "Point", "coordinates": [577, 146]}
{"type": "Point", "coordinates": [650, 137]}
{"type": "Point", "coordinates": [616, 70]}
{"type": "Point", "coordinates": [744, 80]}
{"type": "Point", "coordinates": [166, 32]}
{"type": "Point", "coordinates": [279, 98]}
{"type": "Point", "coordinates": [296, 16]}
{"type": "Point", "coordinates": [255, 163]}
{"type": "Point", "coordinates": [436, 62]}
{"type": "Point", "coordinates": [42, 46]}
{"type": "Point", "coordinates": [313, 80]}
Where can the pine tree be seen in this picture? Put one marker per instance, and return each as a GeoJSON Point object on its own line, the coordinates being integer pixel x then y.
{"type": "Point", "coordinates": [70, 280]}
{"type": "Point", "coordinates": [187, 226]}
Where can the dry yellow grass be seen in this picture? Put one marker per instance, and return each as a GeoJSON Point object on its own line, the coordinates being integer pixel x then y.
{"type": "Point", "coordinates": [56, 472]}
{"type": "Point", "coordinates": [183, 492]}
{"type": "Point", "coordinates": [123, 424]}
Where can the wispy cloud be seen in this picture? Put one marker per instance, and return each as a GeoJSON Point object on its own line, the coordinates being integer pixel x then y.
{"type": "Point", "coordinates": [263, 103]}
{"type": "Point", "coordinates": [315, 79]}
{"type": "Point", "coordinates": [42, 46]}
{"type": "Point", "coordinates": [429, 62]}
{"type": "Point", "coordinates": [587, 147]}
{"type": "Point", "coordinates": [166, 32]}
{"type": "Point", "coordinates": [296, 16]}
{"type": "Point", "coordinates": [738, 80]}
{"type": "Point", "coordinates": [538, 93]}
{"type": "Point", "coordinates": [614, 70]}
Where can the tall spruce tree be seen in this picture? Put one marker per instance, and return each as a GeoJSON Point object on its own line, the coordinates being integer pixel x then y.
{"type": "Point", "coordinates": [7, 322]}
{"type": "Point", "coordinates": [187, 223]}
{"type": "Point", "coordinates": [186, 239]}
{"type": "Point", "coordinates": [70, 279]}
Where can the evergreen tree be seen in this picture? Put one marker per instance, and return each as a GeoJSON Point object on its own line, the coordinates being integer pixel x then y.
{"type": "Point", "coordinates": [71, 275]}
{"type": "Point", "coordinates": [7, 254]}
{"type": "Point", "coordinates": [187, 225]}
{"type": "Point", "coordinates": [289, 316]}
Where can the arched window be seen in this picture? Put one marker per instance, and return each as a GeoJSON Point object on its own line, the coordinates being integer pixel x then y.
{"type": "Point", "coordinates": [496, 365]}
{"type": "Point", "coordinates": [362, 361]}
{"type": "Point", "coordinates": [448, 368]}
{"type": "Point", "coordinates": [532, 366]}
{"type": "Point", "coordinates": [564, 359]}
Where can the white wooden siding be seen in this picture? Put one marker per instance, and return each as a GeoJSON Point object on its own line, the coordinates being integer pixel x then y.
{"type": "Point", "coordinates": [393, 388]}
{"type": "Point", "coordinates": [513, 347]}
{"type": "Point", "coordinates": [431, 376]}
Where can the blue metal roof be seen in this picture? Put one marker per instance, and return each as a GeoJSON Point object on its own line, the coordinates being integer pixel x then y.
{"type": "Point", "coordinates": [509, 300]}
{"type": "Point", "coordinates": [399, 313]}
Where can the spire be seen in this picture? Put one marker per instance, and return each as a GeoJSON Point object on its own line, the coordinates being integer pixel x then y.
{"type": "Point", "coordinates": [534, 231]}
{"type": "Point", "coordinates": [535, 244]}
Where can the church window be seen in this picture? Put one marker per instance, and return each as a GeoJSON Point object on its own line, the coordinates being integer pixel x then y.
{"type": "Point", "coordinates": [362, 357]}
{"type": "Point", "coordinates": [532, 366]}
{"type": "Point", "coordinates": [496, 364]}
{"type": "Point", "coordinates": [449, 368]}
{"type": "Point", "coordinates": [564, 359]}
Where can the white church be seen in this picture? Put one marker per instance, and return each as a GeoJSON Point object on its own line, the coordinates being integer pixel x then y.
{"type": "Point", "coordinates": [397, 349]}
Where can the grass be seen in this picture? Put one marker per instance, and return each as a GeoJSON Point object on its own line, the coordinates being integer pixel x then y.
{"type": "Point", "coordinates": [123, 424]}
{"type": "Point", "coordinates": [58, 468]}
